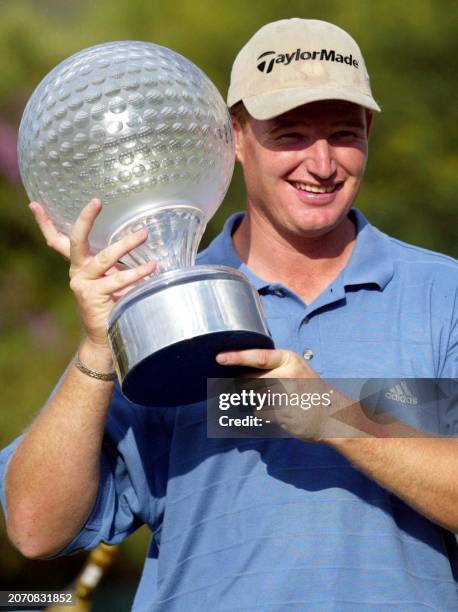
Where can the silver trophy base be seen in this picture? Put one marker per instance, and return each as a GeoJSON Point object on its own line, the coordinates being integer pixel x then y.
{"type": "Point", "coordinates": [165, 335]}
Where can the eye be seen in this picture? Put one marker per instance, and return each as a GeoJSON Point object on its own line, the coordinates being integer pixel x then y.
{"type": "Point", "coordinates": [344, 136]}
{"type": "Point", "coordinates": [289, 137]}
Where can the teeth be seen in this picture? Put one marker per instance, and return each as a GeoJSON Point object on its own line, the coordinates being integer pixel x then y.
{"type": "Point", "coordinates": [314, 188]}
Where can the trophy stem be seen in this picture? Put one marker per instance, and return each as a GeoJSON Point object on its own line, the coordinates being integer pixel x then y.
{"type": "Point", "coordinates": [174, 234]}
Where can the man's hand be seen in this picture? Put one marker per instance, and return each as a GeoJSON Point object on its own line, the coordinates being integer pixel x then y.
{"type": "Point", "coordinates": [276, 364]}
{"type": "Point", "coordinates": [97, 281]}
{"type": "Point", "coordinates": [270, 363]}
{"type": "Point", "coordinates": [309, 423]}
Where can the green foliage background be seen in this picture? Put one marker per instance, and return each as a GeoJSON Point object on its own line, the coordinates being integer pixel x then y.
{"type": "Point", "coordinates": [410, 49]}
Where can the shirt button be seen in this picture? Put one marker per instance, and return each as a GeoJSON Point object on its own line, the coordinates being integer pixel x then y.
{"type": "Point", "coordinates": [308, 354]}
{"type": "Point", "coordinates": [279, 293]}
{"type": "Point", "coordinates": [305, 320]}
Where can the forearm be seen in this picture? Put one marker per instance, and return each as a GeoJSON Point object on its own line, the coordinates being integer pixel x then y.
{"type": "Point", "coordinates": [417, 467]}
{"type": "Point", "coordinates": [420, 470]}
{"type": "Point", "coordinates": [53, 476]}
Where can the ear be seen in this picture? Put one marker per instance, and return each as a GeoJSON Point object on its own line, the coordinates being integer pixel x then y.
{"type": "Point", "coordinates": [369, 120]}
{"type": "Point", "coordinates": [237, 130]}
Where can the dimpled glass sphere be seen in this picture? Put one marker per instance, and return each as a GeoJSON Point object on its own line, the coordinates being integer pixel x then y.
{"type": "Point", "coordinates": [134, 124]}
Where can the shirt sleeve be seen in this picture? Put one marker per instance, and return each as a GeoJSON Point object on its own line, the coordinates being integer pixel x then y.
{"type": "Point", "coordinates": [5, 456]}
{"type": "Point", "coordinates": [450, 365]}
{"type": "Point", "coordinates": [448, 381]}
{"type": "Point", "coordinates": [133, 477]}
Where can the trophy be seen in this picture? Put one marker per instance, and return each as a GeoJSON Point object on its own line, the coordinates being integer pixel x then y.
{"type": "Point", "coordinates": [145, 130]}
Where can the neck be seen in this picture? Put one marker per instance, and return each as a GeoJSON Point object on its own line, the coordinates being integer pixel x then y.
{"type": "Point", "coordinates": [306, 265]}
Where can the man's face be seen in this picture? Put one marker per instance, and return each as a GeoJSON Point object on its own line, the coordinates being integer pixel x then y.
{"type": "Point", "coordinates": [303, 169]}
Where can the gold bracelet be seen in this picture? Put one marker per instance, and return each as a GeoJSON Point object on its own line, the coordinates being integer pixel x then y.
{"type": "Point", "coordinates": [109, 376]}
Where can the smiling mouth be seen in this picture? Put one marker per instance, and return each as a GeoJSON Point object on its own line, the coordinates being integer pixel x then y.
{"type": "Point", "coordinates": [316, 188]}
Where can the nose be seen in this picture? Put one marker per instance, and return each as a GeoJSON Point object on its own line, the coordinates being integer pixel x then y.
{"type": "Point", "coordinates": [319, 159]}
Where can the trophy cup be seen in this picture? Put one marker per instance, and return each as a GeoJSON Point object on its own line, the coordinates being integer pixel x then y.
{"type": "Point", "coordinates": [146, 131]}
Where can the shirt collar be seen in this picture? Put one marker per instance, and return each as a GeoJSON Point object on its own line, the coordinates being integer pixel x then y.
{"type": "Point", "coordinates": [221, 251]}
{"type": "Point", "coordinates": [370, 263]}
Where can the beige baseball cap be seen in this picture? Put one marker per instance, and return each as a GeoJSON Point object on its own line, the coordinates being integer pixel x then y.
{"type": "Point", "coordinates": [292, 62]}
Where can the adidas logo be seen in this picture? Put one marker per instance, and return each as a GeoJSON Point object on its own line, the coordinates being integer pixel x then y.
{"type": "Point", "coordinates": [401, 393]}
{"type": "Point", "coordinates": [270, 58]}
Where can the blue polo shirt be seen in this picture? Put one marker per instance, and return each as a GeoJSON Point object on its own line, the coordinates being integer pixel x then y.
{"type": "Point", "coordinates": [278, 524]}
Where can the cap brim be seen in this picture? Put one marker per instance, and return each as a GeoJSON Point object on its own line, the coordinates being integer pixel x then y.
{"type": "Point", "coordinates": [273, 103]}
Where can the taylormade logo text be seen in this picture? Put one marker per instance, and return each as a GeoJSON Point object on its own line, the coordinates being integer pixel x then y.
{"type": "Point", "coordinates": [269, 58]}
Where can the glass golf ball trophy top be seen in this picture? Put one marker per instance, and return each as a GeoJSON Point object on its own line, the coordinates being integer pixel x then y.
{"type": "Point", "coordinates": [143, 129]}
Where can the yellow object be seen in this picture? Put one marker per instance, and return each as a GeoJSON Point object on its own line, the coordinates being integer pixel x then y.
{"type": "Point", "coordinates": [99, 560]}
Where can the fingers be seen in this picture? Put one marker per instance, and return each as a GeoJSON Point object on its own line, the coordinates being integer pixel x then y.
{"type": "Point", "coordinates": [108, 257]}
{"type": "Point", "coordinates": [96, 297]}
{"type": "Point", "coordinates": [262, 359]}
{"type": "Point", "coordinates": [54, 239]}
{"type": "Point", "coordinates": [124, 278]}
{"type": "Point", "coordinates": [76, 247]}
{"type": "Point", "coordinates": [79, 243]}
{"type": "Point", "coordinates": [270, 363]}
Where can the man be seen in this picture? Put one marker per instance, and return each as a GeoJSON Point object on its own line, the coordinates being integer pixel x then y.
{"type": "Point", "coordinates": [342, 523]}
